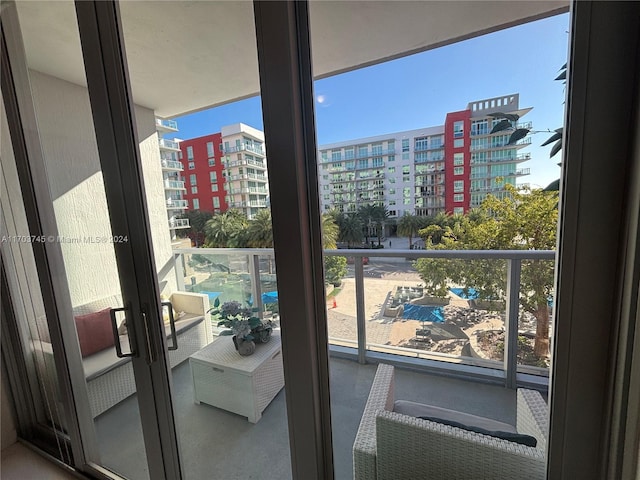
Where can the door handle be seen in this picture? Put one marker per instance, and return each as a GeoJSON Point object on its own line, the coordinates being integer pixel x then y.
{"type": "Point", "coordinates": [172, 326]}
{"type": "Point", "coordinates": [131, 333]}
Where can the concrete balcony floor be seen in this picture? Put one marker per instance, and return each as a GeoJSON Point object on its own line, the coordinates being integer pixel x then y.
{"type": "Point", "coordinates": [218, 444]}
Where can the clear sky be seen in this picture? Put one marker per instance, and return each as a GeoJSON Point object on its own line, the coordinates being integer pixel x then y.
{"type": "Point", "coordinates": [417, 91]}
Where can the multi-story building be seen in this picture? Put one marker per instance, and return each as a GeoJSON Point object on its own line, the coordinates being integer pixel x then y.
{"type": "Point", "coordinates": [174, 186]}
{"type": "Point", "coordinates": [447, 168]}
{"type": "Point", "coordinates": [226, 170]}
{"type": "Point", "coordinates": [202, 160]}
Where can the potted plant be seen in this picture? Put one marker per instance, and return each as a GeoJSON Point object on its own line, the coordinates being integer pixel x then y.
{"type": "Point", "coordinates": [246, 328]}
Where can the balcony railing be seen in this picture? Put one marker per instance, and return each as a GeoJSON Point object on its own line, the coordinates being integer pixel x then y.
{"type": "Point", "coordinates": [172, 165]}
{"type": "Point", "coordinates": [174, 185]}
{"type": "Point", "coordinates": [245, 274]}
{"type": "Point", "coordinates": [167, 124]}
{"type": "Point", "coordinates": [178, 204]}
{"type": "Point", "coordinates": [179, 223]}
{"type": "Point", "coordinates": [169, 144]}
{"type": "Point", "coordinates": [244, 147]}
{"type": "Point", "coordinates": [430, 147]}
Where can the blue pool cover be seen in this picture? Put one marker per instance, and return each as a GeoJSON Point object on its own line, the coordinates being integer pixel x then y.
{"type": "Point", "coordinates": [423, 313]}
{"type": "Point", "coordinates": [470, 293]}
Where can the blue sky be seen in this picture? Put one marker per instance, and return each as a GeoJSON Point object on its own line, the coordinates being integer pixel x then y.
{"type": "Point", "coordinates": [417, 91]}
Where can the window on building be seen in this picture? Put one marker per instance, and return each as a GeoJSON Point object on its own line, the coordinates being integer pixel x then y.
{"type": "Point", "coordinates": [190, 153]}
{"type": "Point", "coordinates": [392, 158]}
{"type": "Point", "coordinates": [194, 189]}
{"type": "Point", "coordinates": [392, 169]}
{"type": "Point", "coordinates": [458, 142]}
{"type": "Point", "coordinates": [458, 186]}
{"type": "Point", "coordinates": [212, 162]}
{"type": "Point", "coordinates": [336, 155]}
{"type": "Point", "coordinates": [406, 178]}
{"type": "Point", "coordinates": [406, 192]}
{"type": "Point", "coordinates": [326, 196]}
{"type": "Point", "coordinates": [421, 144]}
{"type": "Point", "coordinates": [210, 152]}
{"type": "Point", "coordinates": [377, 162]}
{"type": "Point", "coordinates": [363, 151]}
{"type": "Point", "coordinates": [192, 165]}
{"type": "Point", "coordinates": [406, 201]}
{"type": "Point", "coordinates": [392, 213]}
{"type": "Point", "coordinates": [364, 163]}
{"type": "Point", "coordinates": [192, 179]}
{"type": "Point", "coordinates": [214, 187]}
{"type": "Point", "coordinates": [458, 170]}
{"type": "Point", "coordinates": [392, 202]}
{"type": "Point", "coordinates": [213, 177]}
{"type": "Point", "coordinates": [458, 210]}
{"type": "Point", "coordinates": [458, 129]}
{"type": "Point", "coordinates": [196, 204]}
{"type": "Point", "coordinates": [323, 156]}
{"type": "Point", "coordinates": [325, 187]}
{"type": "Point", "coordinates": [376, 149]}
{"type": "Point", "coordinates": [349, 153]}
{"type": "Point", "coordinates": [458, 197]}
{"type": "Point", "coordinates": [405, 145]}
{"type": "Point", "coordinates": [392, 180]}
{"type": "Point", "coordinates": [406, 170]}
{"type": "Point", "coordinates": [392, 191]}
{"type": "Point", "coordinates": [216, 202]}
{"type": "Point", "coordinates": [458, 158]}
{"type": "Point", "coordinates": [391, 146]}
{"type": "Point", "coordinates": [180, 155]}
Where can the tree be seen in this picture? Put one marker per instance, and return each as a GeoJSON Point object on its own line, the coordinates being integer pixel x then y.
{"type": "Point", "coordinates": [197, 221]}
{"type": "Point", "coordinates": [367, 214]}
{"type": "Point", "coordinates": [330, 230]}
{"type": "Point", "coordinates": [226, 230]}
{"type": "Point", "coordinates": [524, 220]}
{"type": "Point", "coordinates": [260, 230]}
{"type": "Point", "coordinates": [335, 268]}
{"type": "Point", "coordinates": [350, 228]}
{"type": "Point", "coordinates": [409, 225]}
{"type": "Point", "coordinates": [379, 218]}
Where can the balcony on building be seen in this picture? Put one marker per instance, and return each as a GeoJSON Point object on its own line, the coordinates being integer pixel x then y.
{"type": "Point", "coordinates": [171, 166]}
{"type": "Point", "coordinates": [177, 204]}
{"type": "Point", "coordinates": [166, 126]}
{"type": "Point", "coordinates": [175, 223]}
{"type": "Point", "coordinates": [244, 147]}
{"type": "Point", "coordinates": [174, 185]}
{"type": "Point", "coordinates": [171, 145]}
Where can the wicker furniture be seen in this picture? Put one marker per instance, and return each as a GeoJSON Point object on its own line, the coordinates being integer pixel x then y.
{"type": "Point", "coordinates": [390, 445]}
{"type": "Point", "coordinates": [109, 378]}
{"type": "Point", "coordinates": [242, 385]}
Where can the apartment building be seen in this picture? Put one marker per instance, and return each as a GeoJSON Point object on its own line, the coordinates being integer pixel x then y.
{"type": "Point", "coordinates": [174, 187]}
{"type": "Point", "coordinates": [226, 170]}
{"type": "Point", "coordinates": [446, 168]}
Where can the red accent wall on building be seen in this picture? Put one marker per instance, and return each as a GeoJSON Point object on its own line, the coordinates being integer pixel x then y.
{"type": "Point", "coordinates": [202, 171]}
{"type": "Point", "coordinates": [449, 150]}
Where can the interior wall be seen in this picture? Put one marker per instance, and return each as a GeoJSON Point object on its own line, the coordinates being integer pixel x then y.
{"type": "Point", "coordinates": [75, 180]}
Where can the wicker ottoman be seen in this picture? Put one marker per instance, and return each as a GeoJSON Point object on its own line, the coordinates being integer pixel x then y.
{"type": "Point", "coordinates": [243, 385]}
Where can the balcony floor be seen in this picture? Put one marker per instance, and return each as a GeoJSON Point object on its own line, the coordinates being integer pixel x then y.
{"type": "Point", "coordinates": [219, 444]}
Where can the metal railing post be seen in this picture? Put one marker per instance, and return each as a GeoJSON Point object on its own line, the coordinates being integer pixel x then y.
{"type": "Point", "coordinates": [514, 266]}
{"type": "Point", "coordinates": [178, 259]}
{"type": "Point", "coordinates": [256, 287]}
{"type": "Point", "coordinates": [360, 313]}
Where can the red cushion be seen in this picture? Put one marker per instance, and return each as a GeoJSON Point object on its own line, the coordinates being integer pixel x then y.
{"type": "Point", "coordinates": [94, 332]}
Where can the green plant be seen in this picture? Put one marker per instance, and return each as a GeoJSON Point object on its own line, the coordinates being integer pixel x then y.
{"type": "Point", "coordinates": [240, 320]}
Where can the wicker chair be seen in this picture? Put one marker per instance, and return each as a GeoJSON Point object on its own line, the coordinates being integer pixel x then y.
{"type": "Point", "coordinates": [391, 445]}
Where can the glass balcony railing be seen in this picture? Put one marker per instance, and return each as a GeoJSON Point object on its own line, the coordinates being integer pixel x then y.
{"type": "Point", "coordinates": [177, 203]}
{"type": "Point", "coordinates": [174, 185]}
{"type": "Point", "coordinates": [377, 314]}
{"type": "Point", "coordinates": [178, 223]}
{"type": "Point", "coordinates": [244, 147]}
{"type": "Point", "coordinates": [169, 144]}
{"type": "Point", "coordinates": [167, 124]}
{"type": "Point", "coordinates": [171, 165]}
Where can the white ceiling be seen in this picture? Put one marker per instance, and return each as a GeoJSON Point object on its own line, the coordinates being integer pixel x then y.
{"type": "Point", "coordinates": [185, 56]}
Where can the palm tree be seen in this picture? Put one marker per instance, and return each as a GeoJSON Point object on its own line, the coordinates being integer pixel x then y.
{"type": "Point", "coordinates": [350, 228]}
{"type": "Point", "coordinates": [367, 214]}
{"type": "Point", "coordinates": [409, 225]}
{"type": "Point", "coordinates": [330, 230]}
{"type": "Point", "coordinates": [380, 218]}
{"type": "Point", "coordinates": [225, 230]}
{"type": "Point", "coordinates": [260, 231]}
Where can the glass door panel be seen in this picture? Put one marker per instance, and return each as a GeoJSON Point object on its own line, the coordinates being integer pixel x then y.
{"type": "Point", "coordinates": [206, 174]}
{"type": "Point", "coordinates": [97, 337]}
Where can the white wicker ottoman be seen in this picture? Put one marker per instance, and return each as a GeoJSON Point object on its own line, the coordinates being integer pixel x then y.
{"type": "Point", "coordinates": [243, 385]}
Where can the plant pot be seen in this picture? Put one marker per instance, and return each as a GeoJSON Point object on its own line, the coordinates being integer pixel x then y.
{"type": "Point", "coordinates": [244, 347]}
